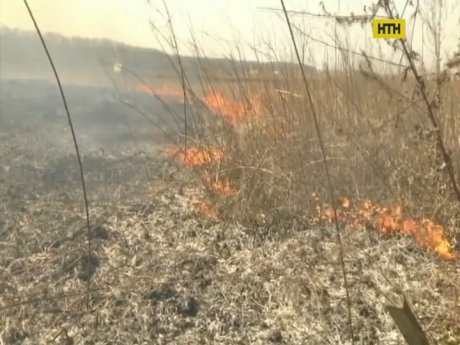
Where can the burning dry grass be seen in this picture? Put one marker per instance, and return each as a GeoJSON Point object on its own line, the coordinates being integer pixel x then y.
{"type": "Point", "coordinates": [426, 232]}
{"type": "Point", "coordinates": [195, 157]}
{"type": "Point", "coordinates": [389, 221]}
{"type": "Point", "coordinates": [233, 111]}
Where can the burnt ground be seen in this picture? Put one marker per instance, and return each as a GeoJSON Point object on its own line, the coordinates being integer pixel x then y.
{"type": "Point", "coordinates": [162, 275]}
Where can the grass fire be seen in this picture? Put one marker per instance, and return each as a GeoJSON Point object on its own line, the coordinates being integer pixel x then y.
{"type": "Point", "coordinates": [291, 181]}
{"type": "Point", "coordinates": [386, 221]}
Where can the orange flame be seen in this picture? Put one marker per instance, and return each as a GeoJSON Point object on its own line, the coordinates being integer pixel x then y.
{"type": "Point", "coordinates": [431, 235]}
{"type": "Point", "coordinates": [233, 112]}
{"type": "Point", "coordinates": [195, 157]}
{"type": "Point", "coordinates": [426, 233]}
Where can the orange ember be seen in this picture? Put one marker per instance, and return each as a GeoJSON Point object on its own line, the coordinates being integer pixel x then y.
{"type": "Point", "coordinates": [194, 157]}
{"type": "Point", "coordinates": [233, 112]}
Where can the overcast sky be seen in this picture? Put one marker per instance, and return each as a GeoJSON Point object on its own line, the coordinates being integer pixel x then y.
{"type": "Point", "coordinates": [219, 25]}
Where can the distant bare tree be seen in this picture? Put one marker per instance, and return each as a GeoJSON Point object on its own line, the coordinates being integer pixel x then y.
{"type": "Point", "coordinates": [434, 14]}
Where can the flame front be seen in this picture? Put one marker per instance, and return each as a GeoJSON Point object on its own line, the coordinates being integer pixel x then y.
{"type": "Point", "coordinates": [232, 111]}
{"type": "Point", "coordinates": [426, 233]}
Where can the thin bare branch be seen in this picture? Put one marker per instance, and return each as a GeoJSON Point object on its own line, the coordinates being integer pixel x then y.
{"type": "Point", "coordinates": [77, 151]}
{"type": "Point", "coordinates": [326, 170]}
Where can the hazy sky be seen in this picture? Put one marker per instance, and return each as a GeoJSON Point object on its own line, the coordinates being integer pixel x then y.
{"type": "Point", "coordinates": [217, 24]}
